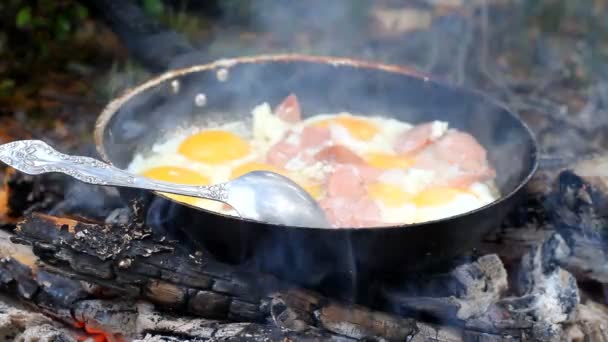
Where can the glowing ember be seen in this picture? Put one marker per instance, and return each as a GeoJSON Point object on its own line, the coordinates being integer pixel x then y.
{"type": "Point", "coordinates": [96, 334]}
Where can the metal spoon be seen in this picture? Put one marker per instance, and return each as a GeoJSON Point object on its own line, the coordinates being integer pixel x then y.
{"type": "Point", "coordinates": [259, 195]}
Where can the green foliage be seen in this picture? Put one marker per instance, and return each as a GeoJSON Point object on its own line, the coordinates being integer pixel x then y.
{"type": "Point", "coordinates": [153, 7]}
{"type": "Point", "coordinates": [24, 17]}
{"type": "Point", "coordinates": [35, 34]}
{"type": "Point", "coordinates": [58, 17]}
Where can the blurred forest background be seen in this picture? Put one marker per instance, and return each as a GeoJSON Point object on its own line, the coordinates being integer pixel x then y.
{"type": "Point", "coordinates": [60, 63]}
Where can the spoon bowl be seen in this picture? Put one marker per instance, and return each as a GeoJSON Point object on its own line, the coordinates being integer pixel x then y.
{"type": "Point", "coordinates": [274, 199]}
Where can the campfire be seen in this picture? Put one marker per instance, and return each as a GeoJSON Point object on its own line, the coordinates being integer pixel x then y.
{"type": "Point", "coordinates": [114, 278]}
{"type": "Point", "coordinates": [81, 262]}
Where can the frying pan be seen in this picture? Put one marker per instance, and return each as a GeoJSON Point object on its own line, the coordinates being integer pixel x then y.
{"type": "Point", "coordinates": [227, 90]}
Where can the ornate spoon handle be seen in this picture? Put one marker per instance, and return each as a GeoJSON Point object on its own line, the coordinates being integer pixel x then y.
{"type": "Point", "coordinates": [35, 157]}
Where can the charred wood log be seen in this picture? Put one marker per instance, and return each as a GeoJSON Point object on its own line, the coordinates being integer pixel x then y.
{"type": "Point", "coordinates": [127, 261]}
{"type": "Point", "coordinates": [69, 300]}
{"type": "Point", "coordinates": [465, 292]}
{"type": "Point", "coordinates": [579, 212]}
{"type": "Point", "coordinates": [541, 304]}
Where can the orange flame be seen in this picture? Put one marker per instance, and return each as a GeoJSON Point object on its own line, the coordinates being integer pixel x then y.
{"type": "Point", "coordinates": [96, 333]}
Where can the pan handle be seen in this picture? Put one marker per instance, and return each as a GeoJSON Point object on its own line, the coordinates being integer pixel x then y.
{"type": "Point", "coordinates": [154, 45]}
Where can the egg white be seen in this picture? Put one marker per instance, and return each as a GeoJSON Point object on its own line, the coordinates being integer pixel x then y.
{"type": "Point", "coordinates": [461, 203]}
{"type": "Point", "coordinates": [398, 215]}
{"type": "Point", "coordinates": [481, 194]}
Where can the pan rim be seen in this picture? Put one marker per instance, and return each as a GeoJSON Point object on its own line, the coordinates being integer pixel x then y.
{"type": "Point", "coordinates": [113, 106]}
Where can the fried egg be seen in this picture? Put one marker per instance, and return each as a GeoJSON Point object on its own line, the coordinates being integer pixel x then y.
{"type": "Point", "coordinates": [178, 175]}
{"type": "Point", "coordinates": [436, 203]}
{"type": "Point", "coordinates": [214, 147]}
{"type": "Point", "coordinates": [402, 192]}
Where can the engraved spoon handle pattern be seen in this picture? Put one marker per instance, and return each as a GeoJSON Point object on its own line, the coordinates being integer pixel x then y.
{"type": "Point", "coordinates": [35, 157]}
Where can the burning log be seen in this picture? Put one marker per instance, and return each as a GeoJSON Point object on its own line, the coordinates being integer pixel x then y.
{"type": "Point", "coordinates": [68, 300]}
{"type": "Point", "coordinates": [579, 208]}
{"type": "Point", "coordinates": [471, 289]}
{"type": "Point", "coordinates": [128, 262]}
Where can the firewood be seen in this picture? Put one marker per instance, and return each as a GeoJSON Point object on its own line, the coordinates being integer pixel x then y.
{"type": "Point", "coordinates": [188, 284]}
{"type": "Point", "coordinates": [67, 300]}
{"type": "Point", "coordinates": [130, 261]}
{"type": "Point", "coordinates": [579, 212]}
{"type": "Point", "coordinates": [468, 290]}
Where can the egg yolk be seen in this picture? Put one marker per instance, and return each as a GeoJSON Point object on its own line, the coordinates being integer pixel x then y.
{"type": "Point", "coordinates": [437, 196]}
{"type": "Point", "coordinates": [214, 147]}
{"type": "Point", "coordinates": [390, 195]}
{"type": "Point", "coordinates": [180, 176]}
{"type": "Point", "coordinates": [315, 190]}
{"type": "Point", "coordinates": [388, 161]}
{"type": "Point", "coordinates": [254, 166]}
{"type": "Point", "coordinates": [359, 128]}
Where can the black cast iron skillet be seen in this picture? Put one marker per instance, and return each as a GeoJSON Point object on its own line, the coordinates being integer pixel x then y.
{"type": "Point", "coordinates": [231, 88]}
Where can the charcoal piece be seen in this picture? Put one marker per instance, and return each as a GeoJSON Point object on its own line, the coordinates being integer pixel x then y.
{"type": "Point", "coordinates": [358, 323]}
{"type": "Point", "coordinates": [26, 193]}
{"type": "Point", "coordinates": [554, 290]}
{"type": "Point", "coordinates": [580, 204]}
{"type": "Point", "coordinates": [288, 317]}
{"type": "Point", "coordinates": [584, 257]}
{"type": "Point", "coordinates": [101, 241]}
{"type": "Point", "coordinates": [165, 293]}
{"type": "Point", "coordinates": [209, 304]}
{"type": "Point", "coordinates": [62, 290]}
{"type": "Point", "coordinates": [579, 212]}
{"type": "Point", "coordinates": [15, 273]}
{"type": "Point", "coordinates": [244, 311]}
{"type": "Point", "coordinates": [111, 316]}
{"type": "Point", "coordinates": [293, 309]}
{"type": "Point", "coordinates": [86, 264]}
{"type": "Point", "coordinates": [239, 285]}
{"type": "Point", "coordinates": [198, 281]}
{"type": "Point", "coordinates": [545, 300]}
{"type": "Point", "coordinates": [468, 291]}
{"type": "Point", "coordinates": [140, 267]}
